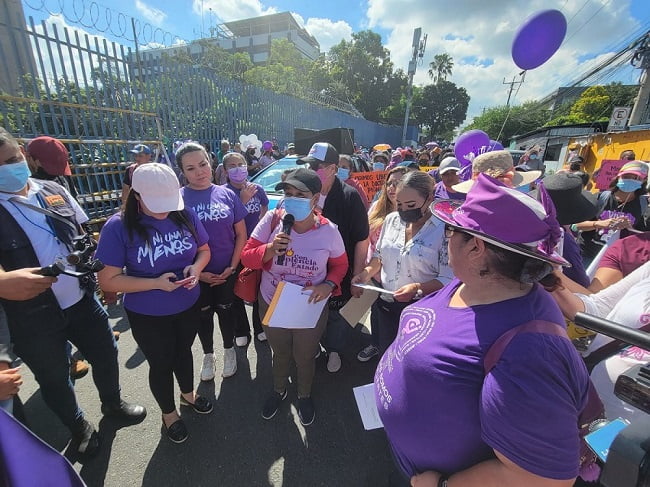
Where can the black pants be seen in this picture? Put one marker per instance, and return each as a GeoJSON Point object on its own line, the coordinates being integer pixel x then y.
{"type": "Point", "coordinates": [166, 342]}
{"type": "Point", "coordinates": [217, 299]}
{"type": "Point", "coordinates": [388, 322]}
{"type": "Point", "coordinates": [243, 327]}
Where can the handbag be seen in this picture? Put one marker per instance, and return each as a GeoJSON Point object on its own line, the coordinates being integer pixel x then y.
{"type": "Point", "coordinates": [248, 281]}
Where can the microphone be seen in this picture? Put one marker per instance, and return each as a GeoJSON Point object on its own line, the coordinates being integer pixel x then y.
{"type": "Point", "coordinates": [287, 223]}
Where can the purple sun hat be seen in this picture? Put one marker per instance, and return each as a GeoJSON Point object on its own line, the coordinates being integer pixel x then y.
{"type": "Point", "coordinates": [506, 218]}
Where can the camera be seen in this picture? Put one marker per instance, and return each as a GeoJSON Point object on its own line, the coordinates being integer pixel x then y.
{"type": "Point", "coordinates": [628, 458]}
{"type": "Point", "coordinates": [81, 256]}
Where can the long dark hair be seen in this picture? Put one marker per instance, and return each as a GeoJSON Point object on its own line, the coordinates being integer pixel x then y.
{"type": "Point", "coordinates": [131, 217]}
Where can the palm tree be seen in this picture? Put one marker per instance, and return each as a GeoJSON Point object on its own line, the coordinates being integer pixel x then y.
{"type": "Point", "coordinates": [441, 67]}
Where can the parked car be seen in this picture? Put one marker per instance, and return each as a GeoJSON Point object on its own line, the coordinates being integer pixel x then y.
{"type": "Point", "coordinates": [272, 175]}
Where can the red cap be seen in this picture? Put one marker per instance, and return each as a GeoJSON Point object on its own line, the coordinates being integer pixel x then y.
{"type": "Point", "coordinates": [51, 154]}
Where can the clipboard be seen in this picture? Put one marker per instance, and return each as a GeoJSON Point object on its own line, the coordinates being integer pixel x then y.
{"type": "Point", "coordinates": [290, 308]}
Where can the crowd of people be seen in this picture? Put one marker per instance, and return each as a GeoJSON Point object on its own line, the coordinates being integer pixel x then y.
{"type": "Point", "coordinates": [461, 265]}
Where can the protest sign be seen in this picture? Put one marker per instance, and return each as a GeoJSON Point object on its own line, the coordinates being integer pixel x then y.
{"type": "Point", "coordinates": [608, 170]}
{"type": "Point", "coordinates": [371, 182]}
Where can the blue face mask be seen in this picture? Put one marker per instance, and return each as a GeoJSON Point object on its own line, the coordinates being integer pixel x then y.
{"type": "Point", "coordinates": [378, 166]}
{"type": "Point", "coordinates": [343, 173]}
{"type": "Point", "coordinates": [300, 208]}
{"type": "Point", "coordinates": [628, 185]}
{"type": "Point", "coordinates": [533, 156]}
{"type": "Point", "coordinates": [13, 177]}
{"type": "Point", "coordinates": [524, 189]}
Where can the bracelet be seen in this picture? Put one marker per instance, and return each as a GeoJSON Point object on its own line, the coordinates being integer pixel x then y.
{"type": "Point", "coordinates": [574, 228]}
{"type": "Point", "coordinates": [330, 283]}
{"type": "Point", "coordinates": [443, 481]}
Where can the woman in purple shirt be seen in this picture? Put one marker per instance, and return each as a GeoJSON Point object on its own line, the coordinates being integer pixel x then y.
{"type": "Point", "coordinates": [222, 214]}
{"type": "Point", "coordinates": [163, 248]}
{"type": "Point", "coordinates": [450, 424]}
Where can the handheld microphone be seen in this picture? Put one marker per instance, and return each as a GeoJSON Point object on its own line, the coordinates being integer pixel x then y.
{"type": "Point", "coordinates": [287, 223]}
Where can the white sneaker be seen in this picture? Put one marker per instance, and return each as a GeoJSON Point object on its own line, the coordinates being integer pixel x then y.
{"type": "Point", "coordinates": [241, 341]}
{"type": "Point", "coordinates": [207, 371]}
{"type": "Point", "coordinates": [334, 362]}
{"type": "Point", "coordinates": [229, 362]}
{"type": "Point", "coordinates": [261, 337]}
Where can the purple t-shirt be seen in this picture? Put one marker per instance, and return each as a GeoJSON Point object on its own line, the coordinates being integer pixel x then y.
{"type": "Point", "coordinates": [219, 209]}
{"type": "Point", "coordinates": [169, 248]}
{"type": "Point", "coordinates": [440, 193]}
{"type": "Point", "coordinates": [253, 207]}
{"type": "Point", "coordinates": [441, 413]}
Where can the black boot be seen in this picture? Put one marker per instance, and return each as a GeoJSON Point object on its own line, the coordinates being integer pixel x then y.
{"type": "Point", "coordinates": [133, 413]}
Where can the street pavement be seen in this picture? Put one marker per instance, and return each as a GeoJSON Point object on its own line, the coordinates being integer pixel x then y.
{"type": "Point", "coordinates": [233, 446]}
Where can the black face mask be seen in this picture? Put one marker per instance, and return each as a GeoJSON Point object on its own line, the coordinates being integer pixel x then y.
{"type": "Point", "coordinates": [412, 215]}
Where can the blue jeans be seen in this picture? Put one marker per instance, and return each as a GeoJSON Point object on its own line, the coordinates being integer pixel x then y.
{"type": "Point", "coordinates": [42, 345]}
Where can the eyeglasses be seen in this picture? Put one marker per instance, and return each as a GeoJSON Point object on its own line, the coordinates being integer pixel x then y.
{"type": "Point", "coordinates": [315, 166]}
{"type": "Point", "coordinates": [449, 231]}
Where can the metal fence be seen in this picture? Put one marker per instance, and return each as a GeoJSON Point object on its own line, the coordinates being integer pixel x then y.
{"type": "Point", "coordinates": [99, 98]}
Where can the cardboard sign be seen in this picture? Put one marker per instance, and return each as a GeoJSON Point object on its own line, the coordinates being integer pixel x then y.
{"type": "Point", "coordinates": [371, 182]}
{"type": "Point", "coordinates": [608, 170]}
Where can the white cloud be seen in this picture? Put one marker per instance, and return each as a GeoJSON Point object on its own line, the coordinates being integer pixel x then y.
{"type": "Point", "coordinates": [82, 62]}
{"type": "Point", "coordinates": [328, 33]}
{"type": "Point", "coordinates": [151, 14]}
{"type": "Point", "coordinates": [227, 10]}
{"type": "Point", "coordinates": [471, 31]}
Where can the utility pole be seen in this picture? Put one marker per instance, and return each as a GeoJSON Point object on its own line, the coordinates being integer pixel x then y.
{"type": "Point", "coordinates": [512, 85]}
{"type": "Point", "coordinates": [641, 60]}
{"type": "Point", "coordinates": [418, 52]}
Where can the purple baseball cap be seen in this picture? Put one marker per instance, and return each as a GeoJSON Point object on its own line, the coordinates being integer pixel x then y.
{"type": "Point", "coordinates": [506, 218]}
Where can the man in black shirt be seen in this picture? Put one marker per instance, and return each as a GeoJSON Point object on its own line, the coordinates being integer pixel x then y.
{"type": "Point", "coordinates": [341, 204]}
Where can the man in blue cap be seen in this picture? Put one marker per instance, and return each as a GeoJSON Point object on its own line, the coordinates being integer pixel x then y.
{"type": "Point", "coordinates": [141, 155]}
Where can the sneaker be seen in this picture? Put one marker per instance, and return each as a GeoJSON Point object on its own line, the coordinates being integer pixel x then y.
{"type": "Point", "coordinates": [367, 353]}
{"type": "Point", "coordinates": [201, 404]}
{"type": "Point", "coordinates": [261, 337]}
{"type": "Point", "coordinates": [229, 362]}
{"type": "Point", "coordinates": [207, 370]}
{"type": "Point", "coordinates": [306, 411]}
{"type": "Point", "coordinates": [241, 341]}
{"type": "Point", "coordinates": [272, 404]}
{"type": "Point", "coordinates": [177, 432]}
{"type": "Point", "coordinates": [123, 410]}
{"type": "Point", "coordinates": [333, 362]}
{"type": "Point", "coordinates": [78, 368]}
{"type": "Point", "coordinates": [86, 439]}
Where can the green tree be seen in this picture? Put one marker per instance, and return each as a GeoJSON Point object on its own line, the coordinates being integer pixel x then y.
{"type": "Point", "coordinates": [441, 107]}
{"type": "Point", "coordinates": [620, 95]}
{"type": "Point", "coordinates": [504, 122]}
{"type": "Point", "coordinates": [441, 67]}
{"type": "Point", "coordinates": [363, 66]}
{"type": "Point", "coordinates": [593, 105]}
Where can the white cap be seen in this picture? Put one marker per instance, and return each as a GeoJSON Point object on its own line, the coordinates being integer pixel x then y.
{"type": "Point", "coordinates": [449, 164]}
{"type": "Point", "coordinates": [158, 187]}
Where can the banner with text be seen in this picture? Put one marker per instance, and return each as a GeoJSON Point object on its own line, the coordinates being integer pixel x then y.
{"type": "Point", "coordinates": [608, 170]}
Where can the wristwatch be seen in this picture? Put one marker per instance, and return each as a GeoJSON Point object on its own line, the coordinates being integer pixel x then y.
{"type": "Point", "coordinates": [419, 293]}
{"type": "Point", "coordinates": [443, 481]}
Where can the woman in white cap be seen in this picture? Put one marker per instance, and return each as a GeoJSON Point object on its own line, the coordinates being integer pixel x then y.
{"type": "Point", "coordinates": [163, 248]}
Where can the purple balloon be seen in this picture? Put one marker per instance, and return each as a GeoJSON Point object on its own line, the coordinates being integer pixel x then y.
{"type": "Point", "coordinates": [495, 145]}
{"type": "Point", "coordinates": [538, 39]}
{"type": "Point", "coordinates": [470, 141]}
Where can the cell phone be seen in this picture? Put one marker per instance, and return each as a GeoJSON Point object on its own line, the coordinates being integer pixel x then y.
{"type": "Point", "coordinates": [600, 440]}
{"type": "Point", "coordinates": [185, 281]}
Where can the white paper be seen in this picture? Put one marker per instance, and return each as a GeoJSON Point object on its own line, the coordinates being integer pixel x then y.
{"type": "Point", "coordinates": [374, 288]}
{"type": "Point", "coordinates": [293, 309]}
{"type": "Point", "coordinates": [365, 397]}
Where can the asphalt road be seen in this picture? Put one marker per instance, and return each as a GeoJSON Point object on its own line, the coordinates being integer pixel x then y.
{"type": "Point", "coordinates": [233, 446]}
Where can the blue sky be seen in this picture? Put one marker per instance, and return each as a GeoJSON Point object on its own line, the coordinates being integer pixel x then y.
{"type": "Point", "coordinates": [475, 33]}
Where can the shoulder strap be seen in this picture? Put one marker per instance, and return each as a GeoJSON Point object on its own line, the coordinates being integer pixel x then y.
{"type": "Point", "coordinates": [45, 212]}
{"type": "Point", "coordinates": [495, 351]}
